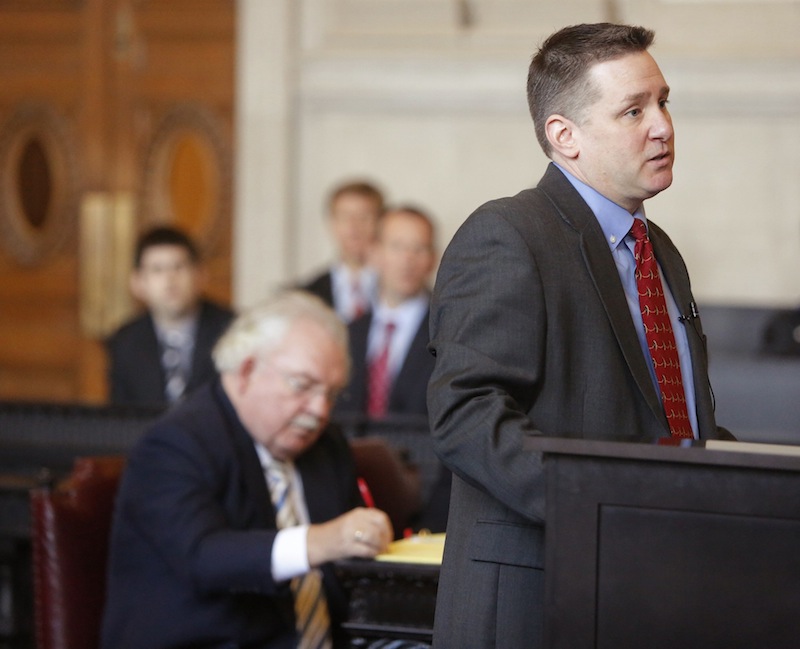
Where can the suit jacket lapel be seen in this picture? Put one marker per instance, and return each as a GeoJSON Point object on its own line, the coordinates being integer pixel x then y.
{"type": "Point", "coordinates": [606, 280]}
{"type": "Point", "coordinates": [318, 475]}
{"type": "Point", "coordinates": [414, 363]}
{"type": "Point", "coordinates": [677, 279]}
{"type": "Point", "coordinates": [151, 372]}
{"type": "Point", "coordinates": [359, 339]}
{"type": "Point", "coordinates": [326, 288]}
{"type": "Point", "coordinates": [252, 472]}
{"type": "Point", "coordinates": [603, 271]}
{"type": "Point", "coordinates": [256, 481]}
{"type": "Point", "coordinates": [203, 343]}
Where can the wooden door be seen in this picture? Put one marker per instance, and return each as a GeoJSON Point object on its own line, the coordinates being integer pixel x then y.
{"type": "Point", "coordinates": [114, 115]}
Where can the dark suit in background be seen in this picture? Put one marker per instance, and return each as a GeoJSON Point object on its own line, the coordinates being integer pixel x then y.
{"type": "Point", "coordinates": [408, 395]}
{"type": "Point", "coordinates": [533, 336]}
{"type": "Point", "coordinates": [354, 208]}
{"type": "Point", "coordinates": [335, 288]}
{"type": "Point", "coordinates": [322, 287]}
{"type": "Point", "coordinates": [193, 533]}
{"type": "Point", "coordinates": [407, 400]}
{"type": "Point", "coordinates": [135, 373]}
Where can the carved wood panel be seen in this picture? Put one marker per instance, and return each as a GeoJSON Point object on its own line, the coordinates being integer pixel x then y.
{"type": "Point", "coordinates": [114, 114]}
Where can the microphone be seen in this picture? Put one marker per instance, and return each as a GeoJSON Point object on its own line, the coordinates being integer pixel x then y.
{"type": "Point", "coordinates": [694, 313]}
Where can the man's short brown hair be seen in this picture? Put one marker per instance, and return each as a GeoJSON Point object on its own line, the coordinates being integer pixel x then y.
{"type": "Point", "coordinates": [558, 77]}
{"type": "Point", "coordinates": [164, 235]}
{"type": "Point", "coordinates": [360, 188]}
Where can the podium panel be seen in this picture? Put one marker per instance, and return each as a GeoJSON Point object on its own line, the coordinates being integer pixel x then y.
{"type": "Point", "coordinates": [389, 603]}
{"type": "Point", "coordinates": [670, 547]}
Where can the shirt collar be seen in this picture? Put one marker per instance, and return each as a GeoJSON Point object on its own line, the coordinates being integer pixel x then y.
{"type": "Point", "coordinates": [344, 274]}
{"type": "Point", "coordinates": [180, 334]}
{"type": "Point", "coordinates": [264, 456]}
{"type": "Point", "coordinates": [615, 221]}
{"type": "Point", "coordinates": [409, 311]}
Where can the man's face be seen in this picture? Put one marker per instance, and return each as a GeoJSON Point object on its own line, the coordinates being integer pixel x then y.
{"type": "Point", "coordinates": [625, 139]}
{"type": "Point", "coordinates": [354, 219]}
{"type": "Point", "coordinates": [284, 398]}
{"type": "Point", "coordinates": [404, 256]}
{"type": "Point", "coordinates": [167, 281]}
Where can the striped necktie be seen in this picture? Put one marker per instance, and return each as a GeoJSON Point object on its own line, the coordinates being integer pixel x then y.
{"type": "Point", "coordinates": [311, 608]}
{"type": "Point", "coordinates": [175, 352]}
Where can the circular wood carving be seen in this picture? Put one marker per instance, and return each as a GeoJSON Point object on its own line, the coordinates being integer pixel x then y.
{"type": "Point", "coordinates": [38, 186]}
{"type": "Point", "coordinates": [187, 174]}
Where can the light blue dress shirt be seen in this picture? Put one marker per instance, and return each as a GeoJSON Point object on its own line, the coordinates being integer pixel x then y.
{"type": "Point", "coordinates": [616, 222]}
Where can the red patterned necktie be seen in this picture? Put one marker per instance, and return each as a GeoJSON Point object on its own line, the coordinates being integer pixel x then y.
{"type": "Point", "coordinates": [379, 380]}
{"type": "Point", "coordinates": [658, 330]}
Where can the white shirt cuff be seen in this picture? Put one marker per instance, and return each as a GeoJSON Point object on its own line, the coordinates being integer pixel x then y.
{"type": "Point", "coordinates": [289, 553]}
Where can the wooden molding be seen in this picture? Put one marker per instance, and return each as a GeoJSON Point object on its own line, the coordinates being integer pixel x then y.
{"type": "Point", "coordinates": [187, 174]}
{"type": "Point", "coordinates": [39, 185]}
{"type": "Point", "coordinates": [107, 240]}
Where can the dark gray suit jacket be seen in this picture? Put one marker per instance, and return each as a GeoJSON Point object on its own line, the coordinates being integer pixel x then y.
{"type": "Point", "coordinates": [532, 336]}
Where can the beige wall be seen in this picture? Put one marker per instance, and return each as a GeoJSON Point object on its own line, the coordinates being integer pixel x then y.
{"type": "Point", "coordinates": [427, 98]}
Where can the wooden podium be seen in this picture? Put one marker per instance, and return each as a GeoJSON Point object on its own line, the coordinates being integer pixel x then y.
{"type": "Point", "coordinates": [647, 546]}
{"type": "Point", "coordinates": [665, 547]}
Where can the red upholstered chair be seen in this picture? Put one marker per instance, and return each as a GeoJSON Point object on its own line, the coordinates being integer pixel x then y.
{"type": "Point", "coordinates": [69, 536]}
{"type": "Point", "coordinates": [395, 485]}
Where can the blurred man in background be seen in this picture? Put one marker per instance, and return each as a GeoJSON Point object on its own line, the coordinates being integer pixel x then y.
{"type": "Point", "coordinates": [164, 353]}
{"type": "Point", "coordinates": [349, 285]}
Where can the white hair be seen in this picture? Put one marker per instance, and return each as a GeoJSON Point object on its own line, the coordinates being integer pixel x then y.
{"type": "Point", "coordinates": [263, 328]}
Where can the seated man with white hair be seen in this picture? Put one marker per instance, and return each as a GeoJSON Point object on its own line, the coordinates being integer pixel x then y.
{"type": "Point", "coordinates": [235, 502]}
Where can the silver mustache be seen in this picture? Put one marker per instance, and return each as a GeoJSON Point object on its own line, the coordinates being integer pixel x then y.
{"type": "Point", "coordinates": [307, 421]}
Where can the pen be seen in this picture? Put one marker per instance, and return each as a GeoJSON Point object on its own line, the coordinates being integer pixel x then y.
{"type": "Point", "coordinates": [365, 493]}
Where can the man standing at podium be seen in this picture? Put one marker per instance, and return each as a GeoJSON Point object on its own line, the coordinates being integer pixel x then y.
{"type": "Point", "coordinates": [563, 312]}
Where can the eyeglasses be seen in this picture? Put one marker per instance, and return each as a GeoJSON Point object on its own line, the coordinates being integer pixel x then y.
{"type": "Point", "coordinates": [304, 386]}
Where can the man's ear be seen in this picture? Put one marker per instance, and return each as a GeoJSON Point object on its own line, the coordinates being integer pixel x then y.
{"type": "Point", "coordinates": [136, 285]}
{"type": "Point", "coordinates": [562, 136]}
{"type": "Point", "coordinates": [242, 375]}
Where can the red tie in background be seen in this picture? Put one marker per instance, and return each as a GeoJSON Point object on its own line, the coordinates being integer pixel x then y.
{"type": "Point", "coordinates": [658, 329]}
{"type": "Point", "coordinates": [359, 306]}
{"type": "Point", "coordinates": [379, 380]}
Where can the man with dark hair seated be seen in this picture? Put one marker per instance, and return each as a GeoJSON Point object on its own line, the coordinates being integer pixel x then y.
{"type": "Point", "coordinates": [165, 352]}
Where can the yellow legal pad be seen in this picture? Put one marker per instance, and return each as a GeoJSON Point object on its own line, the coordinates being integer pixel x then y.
{"type": "Point", "coordinates": [422, 548]}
